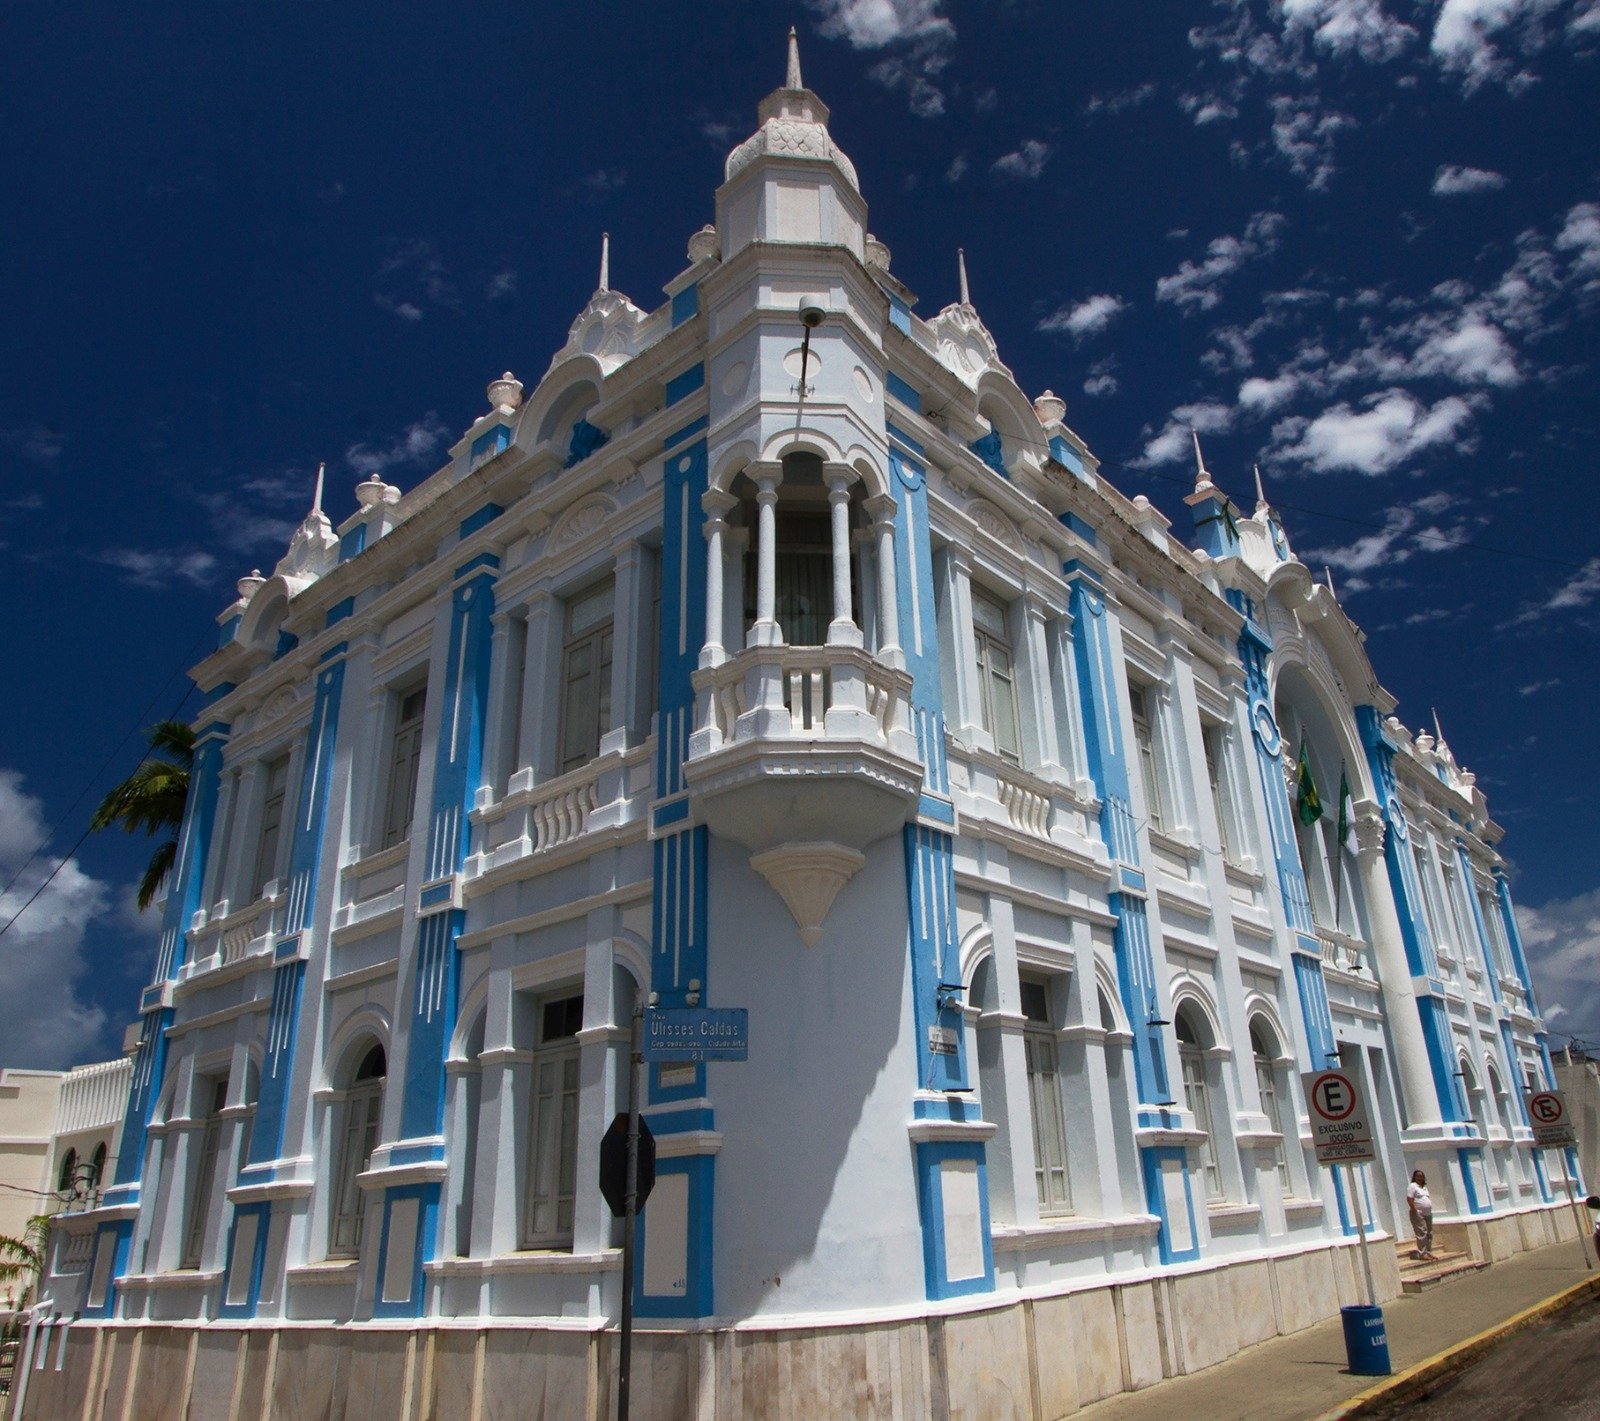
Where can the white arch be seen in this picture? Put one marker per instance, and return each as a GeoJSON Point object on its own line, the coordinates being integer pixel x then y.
{"type": "Point", "coordinates": [1256, 1004]}
{"type": "Point", "coordinates": [976, 944]}
{"type": "Point", "coordinates": [263, 618]}
{"type": "Point", "coordinates": [1187, 989]}
{"type": "Point", "coordinates": [632, 953]}
{"type": "Point", "coordinates": [535, 424]}
{"type": "Point", "coordinates": [801, 439]}
{"type": "Point", "coordinates": [367, 1020]}
{"type": "Point", "coordinates": [1105, 979]}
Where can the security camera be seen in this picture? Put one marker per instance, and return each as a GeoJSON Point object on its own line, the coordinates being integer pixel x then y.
{"type": "Point", "coordinates": [812, 312]}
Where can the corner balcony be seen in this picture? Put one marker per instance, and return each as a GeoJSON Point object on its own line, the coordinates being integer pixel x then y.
{"type": "Point", "coordinates": [803, 744]}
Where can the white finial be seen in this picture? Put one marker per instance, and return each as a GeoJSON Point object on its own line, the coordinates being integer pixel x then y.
{"type": "Point", "coordinates": [316, 501]}
{"type": "Point", "coordinates": [1261, 493]}
{"type": "Point", "coordinates": [791, 80]}
{"type": "Point", "coordinates": [605, 261]}
{"type": "Point", "coordinates": [1438, 730]}
{"type": "Point", "coordinates": [1327, 576]}
{"type": "Point", "coordinates": [1202, 475]}
{"type": "Point", "coordinates": [961, 268]}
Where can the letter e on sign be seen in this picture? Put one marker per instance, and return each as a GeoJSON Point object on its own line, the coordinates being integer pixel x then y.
{"type": "Point", "coordinates": [1552, 1126]}
{"type": "Point", "coordinates": [1341, 1128]}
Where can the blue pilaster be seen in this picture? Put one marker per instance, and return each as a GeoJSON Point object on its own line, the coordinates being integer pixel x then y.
{"type": "Point", "coordinates": [155, 1003]}
{"type": "Point", "coordinates": [955, 1161]}
{"type": "Point", "coordinates": [679, 917]}
{"type": "Point", "coordinates": [1407, 894]}
{"type": "Point", "coordinates": [432, 996]}
{"type": "Point", "coordinates": [1101, 688]}
{"type": "Point", "coordinates": [1519, 958]}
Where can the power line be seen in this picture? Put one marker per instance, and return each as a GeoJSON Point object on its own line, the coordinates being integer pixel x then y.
{"type": "Point", "coordinates": [106, 765]}
{"type": "Point", "coordinates": [66, 858]}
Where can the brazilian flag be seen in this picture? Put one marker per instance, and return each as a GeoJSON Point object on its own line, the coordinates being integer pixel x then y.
{"type": "Point", "coordinates": [1307, 802]}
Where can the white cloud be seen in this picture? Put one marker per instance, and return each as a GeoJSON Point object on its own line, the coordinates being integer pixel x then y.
{"type": "Point", "coordinates": [1360, 27]}
{"type": "Point", "coordinates": [416, 444]}
{"type": "Point", "coordinates": [1580, 235]}
{"type": "Point", "coordinates": [1562, 941]}
{"type": "Point", "coordinates": [411, 278]}
{"type": "Point", "coordinates": [1465, 34]}
{"type": "Point", "coordinates": [1454, 181]}
{"type": "Point", "coordinates": [1472, 353]}
{"type": "Point", "coordinates": [44, 1021]}
{"type": "Point", "coordinates": [1025, 162]}
{"type": "Point", "coordinates": [602, 182]}
{"type": "Point", "coordinates": [501, 285]}
{"type": "Point", "coordinates": [1578, 591]}
{"type": "Point", "coordinates": [923, 37]}
{"type": "Point", "coordinates": [1101, 382]}
{"type": "Point", "coordinates": [1122, 101]}
{"type": "Point", "coordinates": [160, 567]}
{"type": "Point", "coordinates": [1396, 542]}
{"type": "Point", "coordinates": [1172, 442]}
{"type": "Point", "coordinates": [1388, 429]}
{"type": "Point", "coordinates": [1261, 396]}
{"type": "Point", "coordinates": [957, 169]}
{"type": "Point", "coordinates": [1303, 134]}
{"type": "Point", "coordinates": [1086, 318]}
{"type": "Point", "coordinates": [1196, 286]}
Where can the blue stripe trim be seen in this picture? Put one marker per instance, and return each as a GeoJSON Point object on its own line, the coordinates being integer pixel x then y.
{"type": "Point", "coordinates": [899, 389]}
{"type": "Point", "coordinates": [686, 305]}
{"type": "Point", "coordinates": [483, 560]}
{"type": "Point", "coordinates": [339, 611]}
{"type": "Point", "coordinates": [683, 385]}
{"type": "Point", "coordinates": [353, 543]}
{"type": "Point", "coordinates": [480, 519]}
{"type": "Point", "coordinates": [915, 446]}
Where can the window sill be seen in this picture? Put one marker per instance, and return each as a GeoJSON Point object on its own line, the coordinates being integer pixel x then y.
{"type": "Point", "coordinates": [1226, 1213]}
{"type": "Point", "coordinates": [531, 1260]}
{"type": "Point", "coordinates": [1064, 1229]}
{"type": "Point", "coordinates": [330, 1271]}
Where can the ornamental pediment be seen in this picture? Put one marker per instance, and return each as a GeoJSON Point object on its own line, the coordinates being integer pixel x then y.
{"type": "Point", "coordinates": [964, 345]}
{"type": "Point", "coordinates": [610, 328]}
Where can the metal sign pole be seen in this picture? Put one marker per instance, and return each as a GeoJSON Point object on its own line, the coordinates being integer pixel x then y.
{"type": "Point", "coordinates": [1572, 1199]}
{"type": "Point", "coordinates": [631, 1211]}
{"type": "Point", "coordinates": [1356, 1199]}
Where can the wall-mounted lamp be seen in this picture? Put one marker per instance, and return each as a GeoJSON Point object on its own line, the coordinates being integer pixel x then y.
{"type": "Point", "coordinates": [948, 996]}
{"type": "Point", "coordinates": [812, 314]}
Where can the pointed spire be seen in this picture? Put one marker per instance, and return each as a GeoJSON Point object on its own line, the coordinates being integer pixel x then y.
{"type": "Point", "coordinates": [1438, 730]}
{"type": "Point", "coordinates": [1327, 576]}
{"type": "Point", "coordinates": [605, 262]}
{"type": "Point", "coordinates": [1261, 494]}
{"type": "Point", "coordinates": [791, 79]}
{"type": "Point", "coordinates": [316, 498]}
{"type": "Point", "coordinates": [1202, 475]}
{"type": "Point", "coordinates": [961, 268]}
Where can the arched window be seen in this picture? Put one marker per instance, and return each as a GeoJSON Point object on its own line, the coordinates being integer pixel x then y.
{"type": "Point", "coordinates": [1041, 1048]}
{"type": "Point", "coordinates": [212, 1092]}
{"type": "Point", "coordinates": [1264, 1050]}
{"type": "Point", "coordinates": [69, 1167]}
{"type": "Point", "coordinates": [1193, 1035]}
{"type": "Point", "coordinates": [356, 1122]}
{"type": "Point", "coordinates": [97, 1167]}
{"type": "Point", "coordinates": [552, 1180]}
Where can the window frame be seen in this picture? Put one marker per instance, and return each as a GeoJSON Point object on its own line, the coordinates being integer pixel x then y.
{"type": "Point", "coordinates": [1197, 1092]}
{"type": "Point", "coordinates": [402, 779]}
{"type": "Point", "coordinates": [988, 641]}
{"type": "Point", "coordinates": [270, 822]}
{"type": "Point", "coordinates": [197, 1216]}
{"type": "Point", "coordinates": [1153, 770]}
{"type": "Point", "coordinates": [547, 1185]}
{"type": "Point", "coordinates": [1266, 1065]}
{"type": "Point", "coordinates": [1041, 1051]}
{"type": "Point", "coordinates": [597, 638]}
{"type": "Point", "coordinates": [346, 1201]}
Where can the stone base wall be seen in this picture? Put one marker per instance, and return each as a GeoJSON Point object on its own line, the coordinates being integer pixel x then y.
{"type": "Point", "coordinates": [1027, 1359]}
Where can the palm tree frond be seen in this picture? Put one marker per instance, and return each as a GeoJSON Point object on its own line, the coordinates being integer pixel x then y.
{"type": "Point", "coordinates": [156, 871]}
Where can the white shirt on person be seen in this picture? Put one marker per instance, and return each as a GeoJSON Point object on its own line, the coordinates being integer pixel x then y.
{"type": "Point", "coordinates": [1418, 1197]}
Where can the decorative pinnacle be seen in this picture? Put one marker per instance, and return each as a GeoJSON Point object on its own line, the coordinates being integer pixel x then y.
{"type": "Point", "coordinates": [961, 269]}
{"type": "Point", "coordinates": [1202, 475]}
{"type": "Point", "coordinates": [605, 262]}
{"type": "Point", "coordinates": [1327, 576]}
{"type": "Point", "coordinates": [316, 498]}
{"type": "Point", "coordinates": [792, 80]}
{"type": "Point", "coordinates": [1261, 497]}
{"type": "Point", "coordinates": [1438, 730]}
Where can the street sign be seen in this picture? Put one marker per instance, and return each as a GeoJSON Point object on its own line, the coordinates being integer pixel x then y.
{"type": "Point", "coordinates": [1341, 1129]}
{"type": "Point", "coordinates": [614, 1164]}
{"type": "Point", "coordinates": [696, 1034]}
{"type": "Point", "coordinates": [1552, 1126]}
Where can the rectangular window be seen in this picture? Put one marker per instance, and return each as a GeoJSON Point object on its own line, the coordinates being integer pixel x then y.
{"type": "Point", "coordinates": [277, 784]}
{"type": "Point", "coordinates": [997, 677]}
{"type": "Point", "coordinates": [553, 1126]}
{"type": "Point", "coordinates": [586, 677]}
{"type": "Point", "coordinates": [1221, 794]}
{"type": "Point", "coordinates": [1151, 765]}
{"type": "Point", "coordinates": [194, 1236]}
{"type": "Point", "coordinates": [362, 1108]}
{"type": "Point", "coordinates": [1433, 906]}
{"type": "Point", "coordinates": [1497, 933]}
{"type": "Point", "coordinates": [1040, 1050]}
{"type": "Point", "coordinates": [1267, 1084]}
{"type": "Point", "coordinates": [405, 757]}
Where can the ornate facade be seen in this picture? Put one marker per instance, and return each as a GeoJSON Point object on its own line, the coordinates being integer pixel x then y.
{"type": "Point", "coordinates": [810, 667]}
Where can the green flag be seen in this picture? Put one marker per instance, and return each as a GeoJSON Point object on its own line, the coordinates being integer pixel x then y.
{"type": "Point", "coordinates": [1345, 807]}
{"type": "Point", "coordinates": [1307, 802]}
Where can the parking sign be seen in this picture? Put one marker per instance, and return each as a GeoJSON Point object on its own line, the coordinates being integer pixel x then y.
{"type": "Point", "coordinates": [1341, 1129]}
{"type": "Point", "coordinates": [1552, 1126]}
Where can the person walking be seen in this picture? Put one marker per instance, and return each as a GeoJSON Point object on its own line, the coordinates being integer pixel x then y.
{"type": "Point", "coordinates": [1421, 1205]}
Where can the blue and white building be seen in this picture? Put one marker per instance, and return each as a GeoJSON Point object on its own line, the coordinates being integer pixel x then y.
{"type": "Point", "coordinates": [812, 667]}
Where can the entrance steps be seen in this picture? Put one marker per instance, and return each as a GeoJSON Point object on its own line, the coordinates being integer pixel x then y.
{"type": "Point", "coordinates": [1450, 1260]}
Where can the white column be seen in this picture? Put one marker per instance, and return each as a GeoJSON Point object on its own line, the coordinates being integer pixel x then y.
{"type": "Point", "coordinates": [628, 660]}
{"type": "Point", "coordinates": [717, 506]}
{"type": "Point", "coordinates": [215, 887]}
{"type": "Point", "coordinates": [497, 733]}
{"type": "Point", "coordinates": [1041, 752]}
{"type": "Point", "coordinates": [541, 691]}
{"type": "Point", "coordinates": [842, 631]}
{"type": "Point", "coordinates": [882, 510]}
{"type": "Point", "coordinates": [766, 632]}
{"type": "Point", "coordinates": [958, 649]}
{"type": "Point", "coordinates": [1412, 1074]}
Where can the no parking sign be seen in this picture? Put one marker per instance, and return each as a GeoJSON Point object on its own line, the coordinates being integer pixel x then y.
{"type": "Point", "coordinates": [1552, 1126]}
{"type": "Point", "coordinates": [1341, 1129]}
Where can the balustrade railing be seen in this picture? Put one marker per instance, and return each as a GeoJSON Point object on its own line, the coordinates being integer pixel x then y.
{"type": "Point", "coordinates": [1342, 952]}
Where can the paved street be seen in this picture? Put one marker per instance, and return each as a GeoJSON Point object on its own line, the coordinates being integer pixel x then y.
{"type": "Point", "coordinates": [1551, 1370]}
{"type": "Point", "coordinates": [1303, 1376]}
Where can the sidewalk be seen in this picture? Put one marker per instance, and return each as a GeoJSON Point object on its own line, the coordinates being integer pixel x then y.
{"type": "Point", "coordinates": [1303, 1376]}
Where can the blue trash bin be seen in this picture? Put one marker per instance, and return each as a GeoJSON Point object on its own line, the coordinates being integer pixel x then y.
{"type": "Point", "coordinates": [1366, 1344]}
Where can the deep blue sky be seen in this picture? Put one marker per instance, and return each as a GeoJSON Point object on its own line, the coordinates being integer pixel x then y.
{"type": "Point", "coordinates": [1357, 241]}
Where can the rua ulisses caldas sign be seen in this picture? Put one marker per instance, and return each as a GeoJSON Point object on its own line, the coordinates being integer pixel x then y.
{"type": "Point", "coordinates": [697, 1034]}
